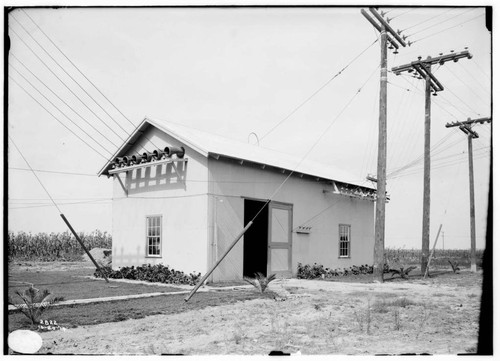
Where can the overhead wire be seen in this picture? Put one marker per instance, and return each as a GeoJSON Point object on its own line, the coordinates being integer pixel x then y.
{"type": "Point", "coordinates": [466, 85]}
{"type": "Point", "coordinates": [65, 204]}
{"type": "Point", "coordinates": [53, 171]}
{"type": "Point", "coordinates": [69, 75]}
{"type": "Point", "coordinates": [318, 90]}
{"type": "Point", "coordinates": [63, 83]}
{"type": "Point", "coordinates": [62, 112]}
{"type": "Point", "coordinates": [56, 118]}
{"type": "Point", "coordinates": [78, 69]}
{"type": "Point", "coordinates": [58, 97]}
{"type": "Point", "coordinates": [473, 78]}
{"type": "Point", "coordinates": [325, 131]}
{"type": "Point", "coordinates": [451, 27]}
{"type": "Point", "coordinates": [78, 84]}
{"type": "Point", "coordinates": [441, 22]}
{"type": "Point", "coordinates": [38, 179]}
{"type": "Point", "coordinates": [427, 20]}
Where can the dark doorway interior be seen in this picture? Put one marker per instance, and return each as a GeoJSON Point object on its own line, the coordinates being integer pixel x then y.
{"type": "Point", "coordinates": [255, 241]}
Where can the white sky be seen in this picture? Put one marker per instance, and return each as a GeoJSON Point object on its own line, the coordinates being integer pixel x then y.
{"type": "Point", "coordinates": [237, 71]}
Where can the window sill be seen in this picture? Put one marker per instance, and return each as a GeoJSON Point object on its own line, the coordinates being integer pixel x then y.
{"type": "Point", "coordinates": [153, 256]}
{"type": "Point", "coordinates": [344, 257]}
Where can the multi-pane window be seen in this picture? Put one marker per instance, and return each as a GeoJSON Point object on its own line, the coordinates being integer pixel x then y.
{"type": "Point", "coordinates": [153, 236]}
{"type": "Point", "coordinates": [344, 240]}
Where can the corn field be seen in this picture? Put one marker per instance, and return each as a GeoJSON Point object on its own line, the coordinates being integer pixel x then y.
{"type": "Point", "coordinates": [54, 246]}
{"type": "Point", "coordinates": [407, 257]}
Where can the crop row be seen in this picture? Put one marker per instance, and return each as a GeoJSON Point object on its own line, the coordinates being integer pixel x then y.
{"type": "Point", "coordinates": [53, 246]}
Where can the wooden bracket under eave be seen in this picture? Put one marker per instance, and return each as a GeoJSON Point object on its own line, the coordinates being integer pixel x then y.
{"type": "Point", "coordinates": [121, 183]}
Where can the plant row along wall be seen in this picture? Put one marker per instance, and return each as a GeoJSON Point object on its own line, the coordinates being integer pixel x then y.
{"type": "Point", "coordinates": [54, 246]}
{"type": "Point", "coordinates": [410, 257]}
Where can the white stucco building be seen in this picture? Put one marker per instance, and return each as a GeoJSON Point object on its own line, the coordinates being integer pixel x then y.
{"type": "Point", "coordinates": [185, 208]}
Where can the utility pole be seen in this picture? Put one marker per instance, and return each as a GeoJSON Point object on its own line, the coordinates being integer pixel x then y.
{"type": "Point", "coordinates": [443, 239]}
{"type": "Point", "coordinates": [423, 71]}
{"type": "Point", "coordinates": [384, 28]}
{"type": "Point", "coordinates": [466, 128]}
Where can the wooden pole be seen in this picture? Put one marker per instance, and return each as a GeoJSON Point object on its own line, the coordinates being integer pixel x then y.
{"type": "Point", "coordinates": [83, 246]}
{"type": "Point", "coordinates": [427, 176]}
{"type": "Point", "coordinates": [432, 253]}
{"type": "Point", "coordinates": [203, 279]}
{"type": "Point", "coordinates": [378, 252]}
{"type": "Point", "coordinates": [472, 209]}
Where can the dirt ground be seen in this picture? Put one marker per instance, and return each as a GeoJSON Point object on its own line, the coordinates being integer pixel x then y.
{"type": "Point", "coordinates": [435, 316]}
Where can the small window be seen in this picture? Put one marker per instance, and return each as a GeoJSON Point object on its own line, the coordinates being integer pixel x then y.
{"type": "Point", "coordinates": [344, 241]}
{"type": "Point", "coordinates": [153, 236]}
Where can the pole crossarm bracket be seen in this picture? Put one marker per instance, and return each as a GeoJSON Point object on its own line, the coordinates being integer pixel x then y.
{"type": "Point", "coordinates": [441, 59]}
{"type": "Point", "coordinates": [423, 67]}
{"type": "Point", "coordinates": [465, 126]}
{"type": "Point", "coordinates": [384, 25]}
{"type": "Point", "coordinates": [469, 121]}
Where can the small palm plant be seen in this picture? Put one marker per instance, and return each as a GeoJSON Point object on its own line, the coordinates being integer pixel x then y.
{"type": "Point", "coordinates": [260, 281]}
{"type": "Point", "coordinates": [402, 271]}
{"type": "Point", "coordinates": [36, 302]}
{"type": "Point", "coordinates": [454, 266]}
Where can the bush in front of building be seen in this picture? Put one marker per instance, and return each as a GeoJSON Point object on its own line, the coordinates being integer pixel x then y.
{"type": "Point", "coordinates": [318, 271]}
{"type": "Point", "coordinates": [149, 273]}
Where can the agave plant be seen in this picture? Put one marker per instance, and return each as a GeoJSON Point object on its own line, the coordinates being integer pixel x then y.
{"type": "Point", "coordinates": [402, 271]}
{"type": "Point", "coordinates": [454, 266]}
{"type": "Point", "coordinates": [36, 302]}
{"type": "Point", "coordinates": [260, 281]}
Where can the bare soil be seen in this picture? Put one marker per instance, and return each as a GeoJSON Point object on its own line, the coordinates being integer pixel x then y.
{"type": "Point", "coordinates": [434, 316]}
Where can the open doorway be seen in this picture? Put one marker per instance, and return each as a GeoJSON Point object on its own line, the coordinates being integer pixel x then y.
{"type": "Point", "coordinates": [256, 239]}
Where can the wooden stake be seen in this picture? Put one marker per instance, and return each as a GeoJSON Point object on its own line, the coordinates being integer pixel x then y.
{"type": "Point", "coordinates": [204, 278]}
{"type": "Point", "coordinates": [83, 246]}
{"type": "Point", "coordinates": [432, 253]}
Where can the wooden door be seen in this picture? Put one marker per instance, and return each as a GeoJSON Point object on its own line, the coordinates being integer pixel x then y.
{"type": "Point", "coordinates": [280, 240]}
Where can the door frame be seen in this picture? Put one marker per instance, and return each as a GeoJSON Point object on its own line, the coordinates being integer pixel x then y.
{"type": "Point", "coordinates": [278, 245]}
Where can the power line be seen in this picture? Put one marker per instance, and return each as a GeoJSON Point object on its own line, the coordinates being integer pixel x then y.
{"type": "Point", "coordinates": [77, 68]}
{"type": "Point", "coordinates": [406, 12]}
{"type": "Point", "coordinates": [451, 27]}
{"type": "Point", "coordinates": [74, 80]}
{"type": "Point", "coordinates": [441, 22]}
{"type": "Point", "coordinates": [64, 125]}
{"type": "Point", "coordinates": [95, 87]}
{"type": "Point", "coordinates": [426, 20]}
{"type": "Point", "coordinates": [53, 171]}
{"type": "Point", "coordinates": [65, 204]}
{"type": "Point", "coordinates": [58, 97]}
{"type": "Point", "coordinates": [39, 181]}
{"type": "Point", "coordinates": [55, 106]}
{"type": "Point", "coordinates": [63, 83]}
{"type": "Point", "coordinates": [317, 91]}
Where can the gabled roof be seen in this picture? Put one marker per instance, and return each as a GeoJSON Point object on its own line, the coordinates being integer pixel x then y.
{"type": "Point", "coordinates": [209, 144]}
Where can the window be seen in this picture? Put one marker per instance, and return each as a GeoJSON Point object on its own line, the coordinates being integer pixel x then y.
{"type": "Point", "coordinates": [344, 240]}
{"type": "Point", "coordinates": [153, 236]}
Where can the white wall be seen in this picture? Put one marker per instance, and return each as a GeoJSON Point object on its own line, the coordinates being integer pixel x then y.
{"type": "Point", "coordinates": [232, 181]}
{"type": "Point", "coordinates": [182, 203]}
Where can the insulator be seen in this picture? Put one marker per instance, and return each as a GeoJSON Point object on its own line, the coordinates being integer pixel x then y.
{"type": "Point", "coordinates": [137, 158]}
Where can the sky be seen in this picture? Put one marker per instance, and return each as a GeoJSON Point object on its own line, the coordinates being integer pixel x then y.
{"type": "Point", "coordinates": [291, 75]}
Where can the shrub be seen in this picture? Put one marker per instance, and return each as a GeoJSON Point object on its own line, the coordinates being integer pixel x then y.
{"type": "Point", "coordinates": [260, 281]}
{"type": "Point", "coordinates": [318, 271]}
{"type": "Point", "coordinates": [35, 302]}
{"type": "Point", "coordinates": [155, 273]}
